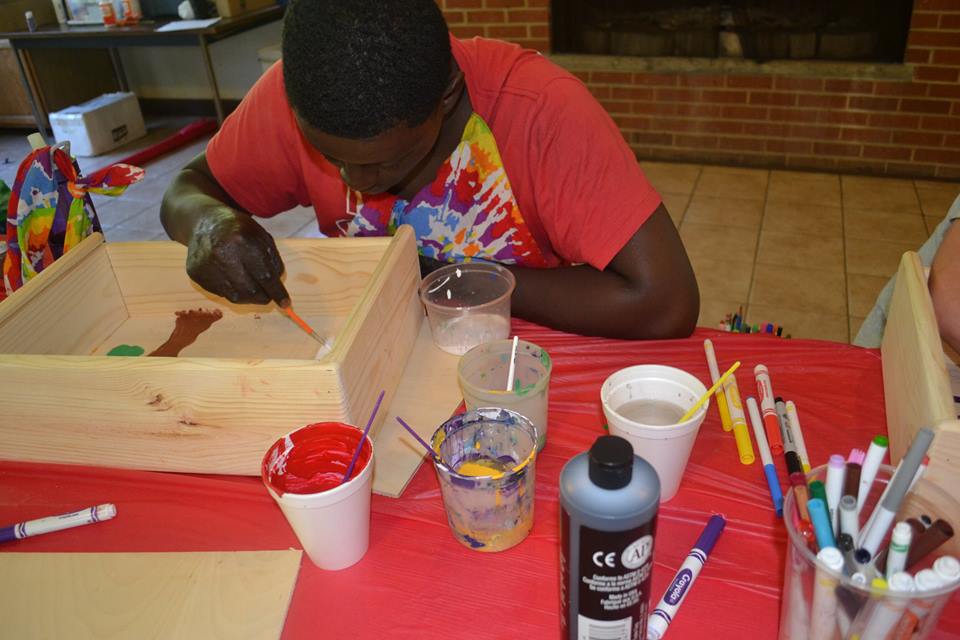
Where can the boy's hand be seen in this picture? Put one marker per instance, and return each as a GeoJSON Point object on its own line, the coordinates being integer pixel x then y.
{"type": "Point", "coordinates": [232, 256]}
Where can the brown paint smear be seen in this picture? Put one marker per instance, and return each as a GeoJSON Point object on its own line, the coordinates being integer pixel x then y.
{"type": "Point", "coordinates": [190, 324]}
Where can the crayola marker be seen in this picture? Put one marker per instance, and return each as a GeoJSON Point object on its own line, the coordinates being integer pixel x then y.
{"type": "Point", "coordinates": [720, 395]}
{"type": "Point", "coordinates": [771, 422]}
{"type": "Point", "coordinates": [776, 494]}
{"type": "Point", "coordinates": [740, 433]}
{"type": "Point", "coordinates": [681, 584]}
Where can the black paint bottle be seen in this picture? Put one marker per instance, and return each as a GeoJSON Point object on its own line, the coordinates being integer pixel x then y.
{"type": "Point", "coordinates": [608, 516]}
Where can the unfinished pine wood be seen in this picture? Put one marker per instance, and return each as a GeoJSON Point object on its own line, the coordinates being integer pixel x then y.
{"type": "Point", "coordinates": [936, 499]}
{"type": "Point", "coordinates": [199, 415]}
{"type": "Point", "coordinates": [107, 596]}
{"type": "Point", "coordinates": [944, 469]}
{"type": "Point", "coordinates": [269, 334]}
{"type": "Point", "coordinates": [325, 277]}
{"type": "Point", "coordinates": [217, 414]}
{"type": "Point", "coordinates": [68, 308]}
{"type": "Point", "coordinates": [428, 394]}
{"type": "Point", "coordinates": [361, 348]}
{"type": "Point", "coordinates": [915, 381]}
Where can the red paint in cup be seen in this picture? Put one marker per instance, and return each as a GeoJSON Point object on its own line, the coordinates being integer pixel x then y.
{"type": "Point", "coordinates": [314, 459]}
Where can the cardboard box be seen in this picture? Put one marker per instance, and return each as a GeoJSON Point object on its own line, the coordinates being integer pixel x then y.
{"type": "Point", "coordinates": [12, 14]}
{"type": "Point", "coordinates": [269, 56]}
{"type": "Point", "coordinates": [250, 378]}
{"type": "Point", "coordinates": [99, 125]}
{"type": "Point", "coordinates": [232, 8]}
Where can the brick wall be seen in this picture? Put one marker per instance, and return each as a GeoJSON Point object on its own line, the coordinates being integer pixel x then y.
{"type": "Point", "coordinates": [905, 127]}
{"type": "Point", "coordinates": [526, 22]}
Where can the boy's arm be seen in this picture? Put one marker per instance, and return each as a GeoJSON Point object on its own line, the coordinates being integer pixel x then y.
{"type": "Point", "coordinates": [648, 291]}
{"type": "Point", "coordinates": [228, 253]}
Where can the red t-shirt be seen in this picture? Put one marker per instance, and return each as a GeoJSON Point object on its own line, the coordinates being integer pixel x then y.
{"type": "Point", "coordinates": [576, 182]}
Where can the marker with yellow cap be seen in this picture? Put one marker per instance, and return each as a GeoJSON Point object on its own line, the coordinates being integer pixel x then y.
{"type": "Point", "coordinates": [739, 420]}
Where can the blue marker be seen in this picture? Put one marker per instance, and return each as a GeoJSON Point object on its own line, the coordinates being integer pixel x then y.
{"type": "Point", "coordinates": [680, 586]}
{"type": "Point", "coordinates": [769, 470]}
{"type": "Point", "coordinates": [821, 523]}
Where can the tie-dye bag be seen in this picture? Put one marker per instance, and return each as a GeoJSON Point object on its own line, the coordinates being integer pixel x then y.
{"type": "Point", "coordinates": [50, 211]}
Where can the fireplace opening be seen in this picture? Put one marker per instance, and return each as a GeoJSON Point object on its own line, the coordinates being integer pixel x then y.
{"type": "Point", "coordinates": [760, 30]}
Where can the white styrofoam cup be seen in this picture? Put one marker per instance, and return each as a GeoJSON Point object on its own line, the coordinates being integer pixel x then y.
{"type": "Point", "coordinates": [666, 447]}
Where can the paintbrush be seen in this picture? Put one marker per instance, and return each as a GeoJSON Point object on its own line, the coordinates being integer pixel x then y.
{"type": "Point", "coordinates": [300, 322]}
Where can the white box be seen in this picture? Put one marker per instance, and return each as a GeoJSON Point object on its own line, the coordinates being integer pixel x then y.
{"type": "Point", "coordinates": [99, 125]}
{"type": "Point", "coordinates": [268, 56]}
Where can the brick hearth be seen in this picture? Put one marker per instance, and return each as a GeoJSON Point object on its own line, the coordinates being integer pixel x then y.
{"type": "Point", "coordinates": [880, 119]}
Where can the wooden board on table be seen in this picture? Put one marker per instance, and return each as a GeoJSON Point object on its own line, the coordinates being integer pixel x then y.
{"type": "Point", "coordinates": [146, 595]}
{"type": "Point", "coordinates": [428, 394]}
{"type": "Point", "coordinates": [915, 381]}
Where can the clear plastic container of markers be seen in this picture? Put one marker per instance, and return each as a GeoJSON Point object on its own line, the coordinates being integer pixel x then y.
{"type": "Point", "coordinates": [859, 600]}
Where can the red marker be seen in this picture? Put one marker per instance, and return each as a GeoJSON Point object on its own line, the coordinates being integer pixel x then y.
{"type": "Point", "coordinates": [771, 423]}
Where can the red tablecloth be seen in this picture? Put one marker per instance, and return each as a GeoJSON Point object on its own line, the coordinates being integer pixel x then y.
{"type": "Point", "coordinates": [417, 581]}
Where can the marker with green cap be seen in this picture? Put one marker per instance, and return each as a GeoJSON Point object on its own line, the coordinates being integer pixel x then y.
{"type": "Point", "coordinates": [818, 490]}
{"type": "Point", "coordinates": [871, 464]}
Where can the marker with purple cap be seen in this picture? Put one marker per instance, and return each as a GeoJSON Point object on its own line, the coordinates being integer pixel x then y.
{"type": "Point", "coordinates": [681, 584]}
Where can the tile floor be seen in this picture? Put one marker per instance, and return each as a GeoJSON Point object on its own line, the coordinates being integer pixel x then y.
{"type": "Point", "coordinates": [136, 214]}
{"type": "Point", "coordinates": [808, 251]}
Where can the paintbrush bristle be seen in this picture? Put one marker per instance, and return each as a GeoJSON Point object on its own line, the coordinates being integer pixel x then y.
{"type": "Point", "coordinates": [857, 456]}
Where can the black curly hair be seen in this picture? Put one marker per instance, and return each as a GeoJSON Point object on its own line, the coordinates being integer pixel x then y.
{"type": "Point", "coordinates": [356, 68]}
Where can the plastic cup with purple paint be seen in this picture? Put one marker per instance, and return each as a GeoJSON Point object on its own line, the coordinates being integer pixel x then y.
{"type": "Point", "coordinates": [483, 372]}
{"type": "Point", "coordinates": [304, 472]}
{"type": "Point", "coordinates": [486, 470]}
{"type": "Point", "coordinates": [467, 304]}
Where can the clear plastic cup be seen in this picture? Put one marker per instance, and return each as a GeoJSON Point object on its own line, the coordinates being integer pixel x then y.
{"type": "Point", "coordinates": [483, 372]}
{"type": "Point", "coordinates": [467, 304]}
{"type": "Point", "coordinates": [333, 523]}
{"type": "Point", "coordinates": [643, 404]}
{"type": "Point", "coordinates": [820, 603]}
{"type": "Point", "coordinates": [493, 511]}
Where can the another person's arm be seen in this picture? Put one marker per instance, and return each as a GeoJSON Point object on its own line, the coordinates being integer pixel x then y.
{"type": "Point", "coordinates": [945, 286]}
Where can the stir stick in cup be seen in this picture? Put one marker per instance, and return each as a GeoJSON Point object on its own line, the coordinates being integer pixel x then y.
{"type": "Point", "coordinates": [356, 454]}
{"type": "Point", "coordinates": [430, 450]}
{"type": "Point", "coordinates": [513, 364]}
{"type": "Point", "coordinates": [710, 392]}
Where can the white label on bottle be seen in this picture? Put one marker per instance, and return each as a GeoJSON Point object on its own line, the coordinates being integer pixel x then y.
{"type": "Point", "coordinates": [590, 629]}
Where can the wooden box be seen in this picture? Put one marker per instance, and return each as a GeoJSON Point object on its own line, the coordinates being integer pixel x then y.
{"type": "Point", "coordinates": [250, 378]}
{"type": "Point", "coordinates": [916, 385]}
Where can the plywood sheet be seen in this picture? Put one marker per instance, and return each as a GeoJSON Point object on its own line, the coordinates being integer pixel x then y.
{"type": "Point", "coordinates": [428, 394]}
{"type": "Point", "coordinates": [108, 596]}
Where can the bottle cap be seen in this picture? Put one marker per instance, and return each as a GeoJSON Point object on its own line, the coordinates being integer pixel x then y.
{"type": "Point", "coordinates": [611, 462]}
